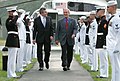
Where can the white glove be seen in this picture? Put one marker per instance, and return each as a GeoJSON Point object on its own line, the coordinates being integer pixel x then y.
{"type": "Point", "coordinates": [104, 47]}
{"type": "Point", "coordinates": [15, 13]}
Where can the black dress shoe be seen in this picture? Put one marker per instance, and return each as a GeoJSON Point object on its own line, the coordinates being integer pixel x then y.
{"type": "Point", "coordinates": [25, 70]}
{"type": "Point", "coordinates": [41, 69]}
{"type": "Point", "coordinates": [17, 77]}
{"type": "Point", "coordinates": [47, 65]}
{"type": "Point", "coordinates": [100, 76]}
{"type": "Point", "coordinates": [92, 70]}
{"type": "Point", "coordinates": [65, 68]}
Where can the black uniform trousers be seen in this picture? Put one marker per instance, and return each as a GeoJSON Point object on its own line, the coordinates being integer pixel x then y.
{"type": "Point", "coordinates": [47, 49]}
{"type": "Point", "coordinates": [67, 54]}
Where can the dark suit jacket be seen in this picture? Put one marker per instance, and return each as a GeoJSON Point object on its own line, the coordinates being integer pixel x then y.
{"type": "Point", "coordinates": [42, 33]}
{"type": "Point", "coordinates": [62, 35]}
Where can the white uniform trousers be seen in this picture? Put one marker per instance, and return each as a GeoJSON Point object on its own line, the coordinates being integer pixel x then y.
{"type": "Point", "coordinates": [20, 57]}
{"type": "Point", "coordinates": [115, 63]}
{"type": "Point", "coordinates": [83, 55]}
{"type": "Point", "coordinates": [88, 54]}
{"type": "Point", "coordinates": [103, 58]}
{"type": "Point", "coordinates": [94, 59]}
{"type": "Point", "coordinates": [34, 51]}
{"type": "Point", "coordinates": [28, 53]}
{"type": "Point", "coordinates": [11, 65]}
{"type": "Point", "coordinates": [76, 46]}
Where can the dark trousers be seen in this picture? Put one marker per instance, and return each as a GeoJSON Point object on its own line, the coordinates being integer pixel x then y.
{"type": "Point", "coordinates": [47, 49]}
{"type": "Point", "coordinates": [67, 55]}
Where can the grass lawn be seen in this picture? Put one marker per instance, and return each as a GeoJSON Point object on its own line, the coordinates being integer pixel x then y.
{"type": "Point", "coordinates": [93, 74]}
{"type": "Point", "coordinates": [2, 42]}
{"type": "Point", "coordinates": [3, 74]}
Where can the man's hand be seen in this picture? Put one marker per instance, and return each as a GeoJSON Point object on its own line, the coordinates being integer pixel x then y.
{"type": "Point", "coordinates": [73, 36]}
{"type": "Point", "coordinates": [34, 41]}
{"type": "Point", "coordinates": [57, 42]}
{"type": "Point", "coordinates": [51, 37]}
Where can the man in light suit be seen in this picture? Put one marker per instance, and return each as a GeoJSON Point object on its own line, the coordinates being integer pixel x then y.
{"type": "Point", "coordinates": [65, 34]}
{"type": "Point", "coordinates": [42, 35]}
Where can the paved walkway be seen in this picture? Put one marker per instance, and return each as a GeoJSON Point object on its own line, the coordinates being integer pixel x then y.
{"type": "Point", "coordinates": [55, 73]}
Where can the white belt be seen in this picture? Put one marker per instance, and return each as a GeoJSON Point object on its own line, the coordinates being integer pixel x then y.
{"type": "Point", "coordinates": [87, 34]}
{"type": "Point", "coordinates": [12, 32]}
{"type": "Point", "coordinates": [27, 32]}
{"type": "Point", "coordinates": [99, 33]}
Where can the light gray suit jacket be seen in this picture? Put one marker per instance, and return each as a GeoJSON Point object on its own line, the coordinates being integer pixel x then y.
{"type": "Point", "coordinates": [62, 35]}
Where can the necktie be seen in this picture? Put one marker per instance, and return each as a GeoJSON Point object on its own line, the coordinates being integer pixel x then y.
{"type": "Point", "coordinates": [44, 21]}
{"type": "Point", "coordinates": [66, 23]}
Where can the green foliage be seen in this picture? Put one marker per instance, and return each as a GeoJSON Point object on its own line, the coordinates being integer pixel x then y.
{"type": "Point", "coordinates": [93, 74]}
{"type": "Point", "coordinates": [29, 6]}
{"type": "Point", "coordinates": [2, 42]}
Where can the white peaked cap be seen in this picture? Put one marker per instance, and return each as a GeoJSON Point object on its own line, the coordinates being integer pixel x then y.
{"type": "Point", "coordinates": [11, 8]}
{"type": "Point", "coordinates": [28, 17]}
{"type": "Point", "coordinates": [100, 7]}
{"type": "Point", "coordinates": [27, 13]}
{"type": "Point", "coordinates": [110, 3]}
{"type": "Point", "coordinates": [83, 17]}
{"type": "Point", "coordinates": [21, 11]}
{"type": "Point", "coordinates": [93, 12]}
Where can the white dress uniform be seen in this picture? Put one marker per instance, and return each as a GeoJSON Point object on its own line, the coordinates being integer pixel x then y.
{"type": "Point", "coordinates": [76, 46]}
{"type": "Point", "coordinates": [28, 48]}
{"type": "Point", "coordinates": [34, 46]}
{"type": "Point", "coordinates": [113, 46]}
{"type": "Point", "coordinates": [84, 55]}
{"type": "Point", "coordinates": [93, 37]}
{"type": "Point", "coordinates": [22, 38]}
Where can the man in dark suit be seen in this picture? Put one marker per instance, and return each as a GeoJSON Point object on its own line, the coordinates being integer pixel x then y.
{"type": "Point", "coordinates": [65, 34]}
{"type": "Point", "coordinates": [42, 35]}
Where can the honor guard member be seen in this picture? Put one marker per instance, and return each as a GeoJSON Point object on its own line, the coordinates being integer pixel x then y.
{"type": "Point", "coordinates": [113, 39]}
{"type": "Point", "coordinates": [77, 41]}
{"type": "Point", "coordinates": [87, 45]}
{"type": "Point", "coordinates": [12, 41]}
{"type": "Point", "coordinates": [22, 39]}
{"type": "Point", "coordinates": [82, 34]}
{"type": "Point", "coordinates": [93, 37]}
{"type": "Point", "coordinates": [28, 51]}
{"type": "Point", "coordinates": [101, 42]}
